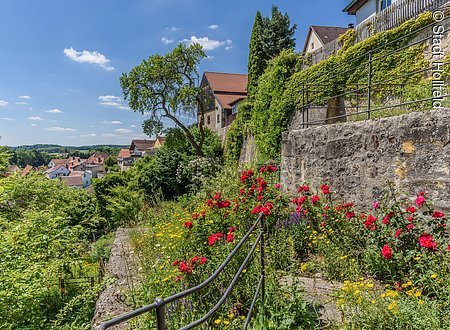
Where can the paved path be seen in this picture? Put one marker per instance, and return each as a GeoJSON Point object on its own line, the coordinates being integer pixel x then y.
{"type": "Point", "coordinates": [318, 294]}
{"type": "Point", "coordinates": [122, 268]}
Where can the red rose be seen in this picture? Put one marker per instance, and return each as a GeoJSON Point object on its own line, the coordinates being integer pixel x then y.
{"type": "Point", "coordinates": [230, 237]}
{"type": "Point", "coordinates": [301, 200]}
{"type": "Point", "coordinates": [426, 241]}
{"type": "Point", "coordinates": [203, 260]}
{"type": "Point", "coordinates": [183, 267]}
{"type": "Point", "coordinates": [420, 200]}
{"type": "Point", "coordinates": [411, 209]}
{"type": "Point", "coordinates": [277, 186]}
{"type": "Point", "coordinates": [306, 188]}
{"type": "Point", "coordinates": [370, 222]}
{"type": "Point", "coordinates": [175, 263]}
{"type": "Point", "coordinates": [315, 199]}
{"type": "Point", "coordinates": [259, 198]}
{"type": "Point", "coordinates": [194, 259]}
{"type": "Point", "coordinates": [448, 248]}
{"type": "Point", "coordinates": [188, 224]}
{"type": "Point", "coordinates": [438, 214]}
{"type": "Point", "coordinates": [376, 205]}
{"type": "Point", "coordinates": [397, 233]}
{"type": "Point", "coordinates": [325, 189]}
{"type": "Point", "coordinates": [386, 252]}
{"type": "Point", "coordinates": [410, 226]}
{"type": "Point", "coordinates": [350, 215]}
{"type": "Point", "coordinates": [232, 229]}
{"type": "Point", "coordinates": [214, 238]}
{"type": "Point", "coordinates": [241, 192]}
{"type": "Point", "coordinates": [217, 196]}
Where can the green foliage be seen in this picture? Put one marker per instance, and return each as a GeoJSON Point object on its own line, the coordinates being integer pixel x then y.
{"type": "Point", "coordinates": [23, 158]}
{"type": "Point", "coordinates": [256, 57]}
{"type": "Point", "coordinates": [5, 156]}
{"type": "Point", "coordinates": [269, 118]}
{"type": "Point", "coordinates": [237, 132]}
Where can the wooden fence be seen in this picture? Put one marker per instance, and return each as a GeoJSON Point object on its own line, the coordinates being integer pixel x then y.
{"type": "Point", "coordinates": [394, 15]}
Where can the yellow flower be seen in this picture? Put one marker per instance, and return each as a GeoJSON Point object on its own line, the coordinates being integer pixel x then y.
{"type": "Point", "coordinates": [421, 302]}
{"type": "Point", "coordinates": [226, 322]}
{"type": "Point", "coordinates": [418, 294]}
{"type": "Point", "coordinates": [369, 285]}
{"type": "Point", "coordinates": [231, 316]}
{"type": "Point", "coordinates": [373, 301]}
{"type": "Point", "coordinates": [217, 322]}
{"type": "Point", "coordinates": [244, 270]}
{"type": "Point", "coordinates": [393, 305]}
{"type": "Point", "coordinates": [433, 276]}
{"type": "Point", "coordinates": [242, 317]}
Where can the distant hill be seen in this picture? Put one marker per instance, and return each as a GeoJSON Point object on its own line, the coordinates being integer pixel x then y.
{"type": "Point", "coordinates": [56, 148]}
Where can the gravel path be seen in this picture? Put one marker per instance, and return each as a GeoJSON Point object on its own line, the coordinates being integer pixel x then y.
{"type": "Point", "coordinates": [123, 268]}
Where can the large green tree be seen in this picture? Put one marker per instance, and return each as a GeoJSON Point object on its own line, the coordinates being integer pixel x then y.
{"type": "Point", "coordinates": [167, 87]}
{"type": "Point", "coordinates": [257, 57]}
{"type": "Point", "coordinates": [5, 155]}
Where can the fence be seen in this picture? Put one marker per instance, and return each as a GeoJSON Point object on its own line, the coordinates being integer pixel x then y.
{"type": "Point", "coordinates": [159, 305]}
{"type": "Point", "coordinates": [343, 100]}
{"type": "Point", "coordinates": [394, 15]}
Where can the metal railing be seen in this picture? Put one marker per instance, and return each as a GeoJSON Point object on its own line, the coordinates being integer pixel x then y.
{"type": "Point", "coordinates": [342, 100]}
{"type": "Point", "coordinates": [159, 305]}
{"type": "Point", "coordinates": [394, 15]}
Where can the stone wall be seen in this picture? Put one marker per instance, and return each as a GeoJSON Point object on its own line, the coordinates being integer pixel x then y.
{"type": "Point", "coordinates": [359, 158]}
{"type": "Point", "coordinates": [248, 151]}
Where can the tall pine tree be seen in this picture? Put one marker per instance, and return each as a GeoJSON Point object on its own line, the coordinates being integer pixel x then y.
{"type": "Point", "coordinates": [269, 37]}
{"type": "Point", "coordinates": [257, 56]}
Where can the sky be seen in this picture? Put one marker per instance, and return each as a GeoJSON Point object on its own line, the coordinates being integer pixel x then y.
{"type": "Point", "coordinates": [60, 61]}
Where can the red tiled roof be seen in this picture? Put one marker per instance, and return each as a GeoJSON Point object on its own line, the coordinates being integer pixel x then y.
{"type": "Point", "coordinates": [227, 82]}
{"type": "Point", "coordinates": [124, 153]}
{"type": "Point", "coordinates": [54, 168]}
{"type": "Point", "coordinates": [97, 158]}
{"type": "Point", "coordinates": [59, 161]}
{"type": "Point", "coordinates": [76, 173]}
{"type": "Point", "coordinates": [142, 144]}
{"type": "Point", "coordinates": [27, 170]}
{"type": "Point", "coordinates": [226, 100]}
{"type": "Point", "coordinates": [72, 180]}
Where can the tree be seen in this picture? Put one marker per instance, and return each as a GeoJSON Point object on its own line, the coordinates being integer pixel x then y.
{"type": "Point", "coordinates": [167, 87]}
{"type": "Point", "coordinates": [270, 36]}
{"type": "Point", "coordinates": [257, 57]}
{"type": "Point", "coordinates": [5, 155]}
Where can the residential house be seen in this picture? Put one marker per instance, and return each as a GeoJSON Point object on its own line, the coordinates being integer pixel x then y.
{"type": "Point", "coordinates": [373, 16]}
{"type": "Point", "coordinates": [224, 91]}
{"type": "Point", "coordinates": [96, 163]}
{"type": "Point", "coordinates": [140, 148]}
{"type": "Point", "coordinates": [159, 142]}
{"type": "Point", "coordinates": [124, 159]}
{"type": "Point", "coordinates": [57, 171]}
{"type": "Point", "coordinates": [27, 170]}
{"type": "Point", "coordinates": [319, 36]}
{"type": "Point", "coordinates": [77, 179]}
{"type": "Point", "coordinates": [10, 170]}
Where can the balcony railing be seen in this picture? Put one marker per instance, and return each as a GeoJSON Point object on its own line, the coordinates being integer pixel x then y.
{"type": "Point", "coordinates": [394, 15]}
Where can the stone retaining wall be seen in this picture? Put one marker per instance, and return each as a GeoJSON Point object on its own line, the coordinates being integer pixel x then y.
{"type": "Point", "coordinates": [359, 158]}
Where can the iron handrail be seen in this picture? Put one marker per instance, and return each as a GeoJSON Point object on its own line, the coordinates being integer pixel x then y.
{"type": "Point", "coordinates": [159, 304]}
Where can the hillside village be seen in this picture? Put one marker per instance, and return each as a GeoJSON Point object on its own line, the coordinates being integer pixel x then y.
{"type": "Point", "coordinates": [311, 192]}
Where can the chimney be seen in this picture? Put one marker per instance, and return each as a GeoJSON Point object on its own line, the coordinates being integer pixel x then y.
{"type": "Point", "coordinates": [351, 26]}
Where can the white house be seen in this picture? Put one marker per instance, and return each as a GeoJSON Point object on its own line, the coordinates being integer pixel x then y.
{"type": "Point", "coordinates": [78, 179]}
{"type": "Point", "coordinates": [363, 9]}
{"type": "Point", "coordinates": [57, 171]}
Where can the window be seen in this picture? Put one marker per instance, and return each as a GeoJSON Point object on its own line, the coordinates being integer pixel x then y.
{"type": "Point", "coordinates": [218, 118]}
{"type": "Point", "coordinates": [208, 120]}
{"type": "Point", "coordinates": [384, 4]}
{"type": "Point", "coordinates": [312, 45]}
{"type": "Point", "coordinates": [234, 107]}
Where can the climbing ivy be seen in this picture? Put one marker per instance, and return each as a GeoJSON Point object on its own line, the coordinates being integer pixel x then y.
{"type": "Point", "coordinates": [279, 91]}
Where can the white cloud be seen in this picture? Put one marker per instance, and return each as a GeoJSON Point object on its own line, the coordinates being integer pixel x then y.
{"type": "Point", "coordinates": [213, 27]}
{"type": "Point", "coordinates": [60, 129]}
{"type": "Point", "coordinates": [112, 122]}
{"type": "Point", "coordinates": [172, 28]}
{"type": "Point", "coordinates": [86, 56]}
{"type": "Point", "coordinates": [166, 41]}
{"type": "Point", "coordinates": [124, 131]}
{"type": "Point", "coordinates": [208, 44]}
{"type": "Point", "coordinates": [88, 135]}
{"type": "Point", "coordinates": [112, 101]}
{"type": "Point", "coordinates": [35, 118]}
{"type": "Point", "coordinates": [3, 103]}
{"type": "Point", "coordinates": [25, 97]}
{"type": "Point", "coordinates": [7, 118]}
{"type": "Point", "coordinates": [54, 111]}
{"type": "Point", "coordinates": [33, 125]}
{"type": "Point", "coordinates": [133, 126]}
{"type": "Point", "coordinates": [209, 57]}
{"type": "Point", "coordinates": [229, 43]}
{"type": "Point", "coordinates": [21, 103]}
{"type": "Point", "coordinates": [109, 135]}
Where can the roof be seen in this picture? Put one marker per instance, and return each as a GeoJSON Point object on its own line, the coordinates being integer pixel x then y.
{"type": "Point", "coordinates": [354, 6]}
{"type": "Point", "coordinates": [161, 139]}
{"type": "Point", "coordinates": [27, 170]}
{"type": "Point", "coordinates": [227, 87]}
{"type": "Point", "coordinates": [326, 34]}
{"type": "Point", "coordinates": [124, 153]}
{"type": "Point", "coordinates": [76, 173]}
{"type": "Point", "coordinates": [97, 158]}
{"type": "Point", "coordinates": [72, 180]}
{"type": "Point", "coordinates": [227, 82]}
{"type": "Point", "coordinates": [52, 169]}
{"type": "Point", "coordinates": [13, 168]}
{"type": "Point", "coordinates": [58, 161]}
{"type": "Point", "coordinates": [142, 144]}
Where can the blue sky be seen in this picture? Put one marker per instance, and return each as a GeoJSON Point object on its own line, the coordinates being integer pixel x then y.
{"type": "Point", "coordinates": [60, 61]}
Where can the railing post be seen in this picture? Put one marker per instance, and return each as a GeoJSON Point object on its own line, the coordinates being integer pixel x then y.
{"type": "Point", "coordinates": [369, 86]}
{"type": "Point", "coordinates": [160, 317]}
{"type": "Point", "coordinates": [307, 104]}
{"type": "Point", "coordinates": [261, 251]}
{"type": "Point", "coordinates": [303, 106]}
